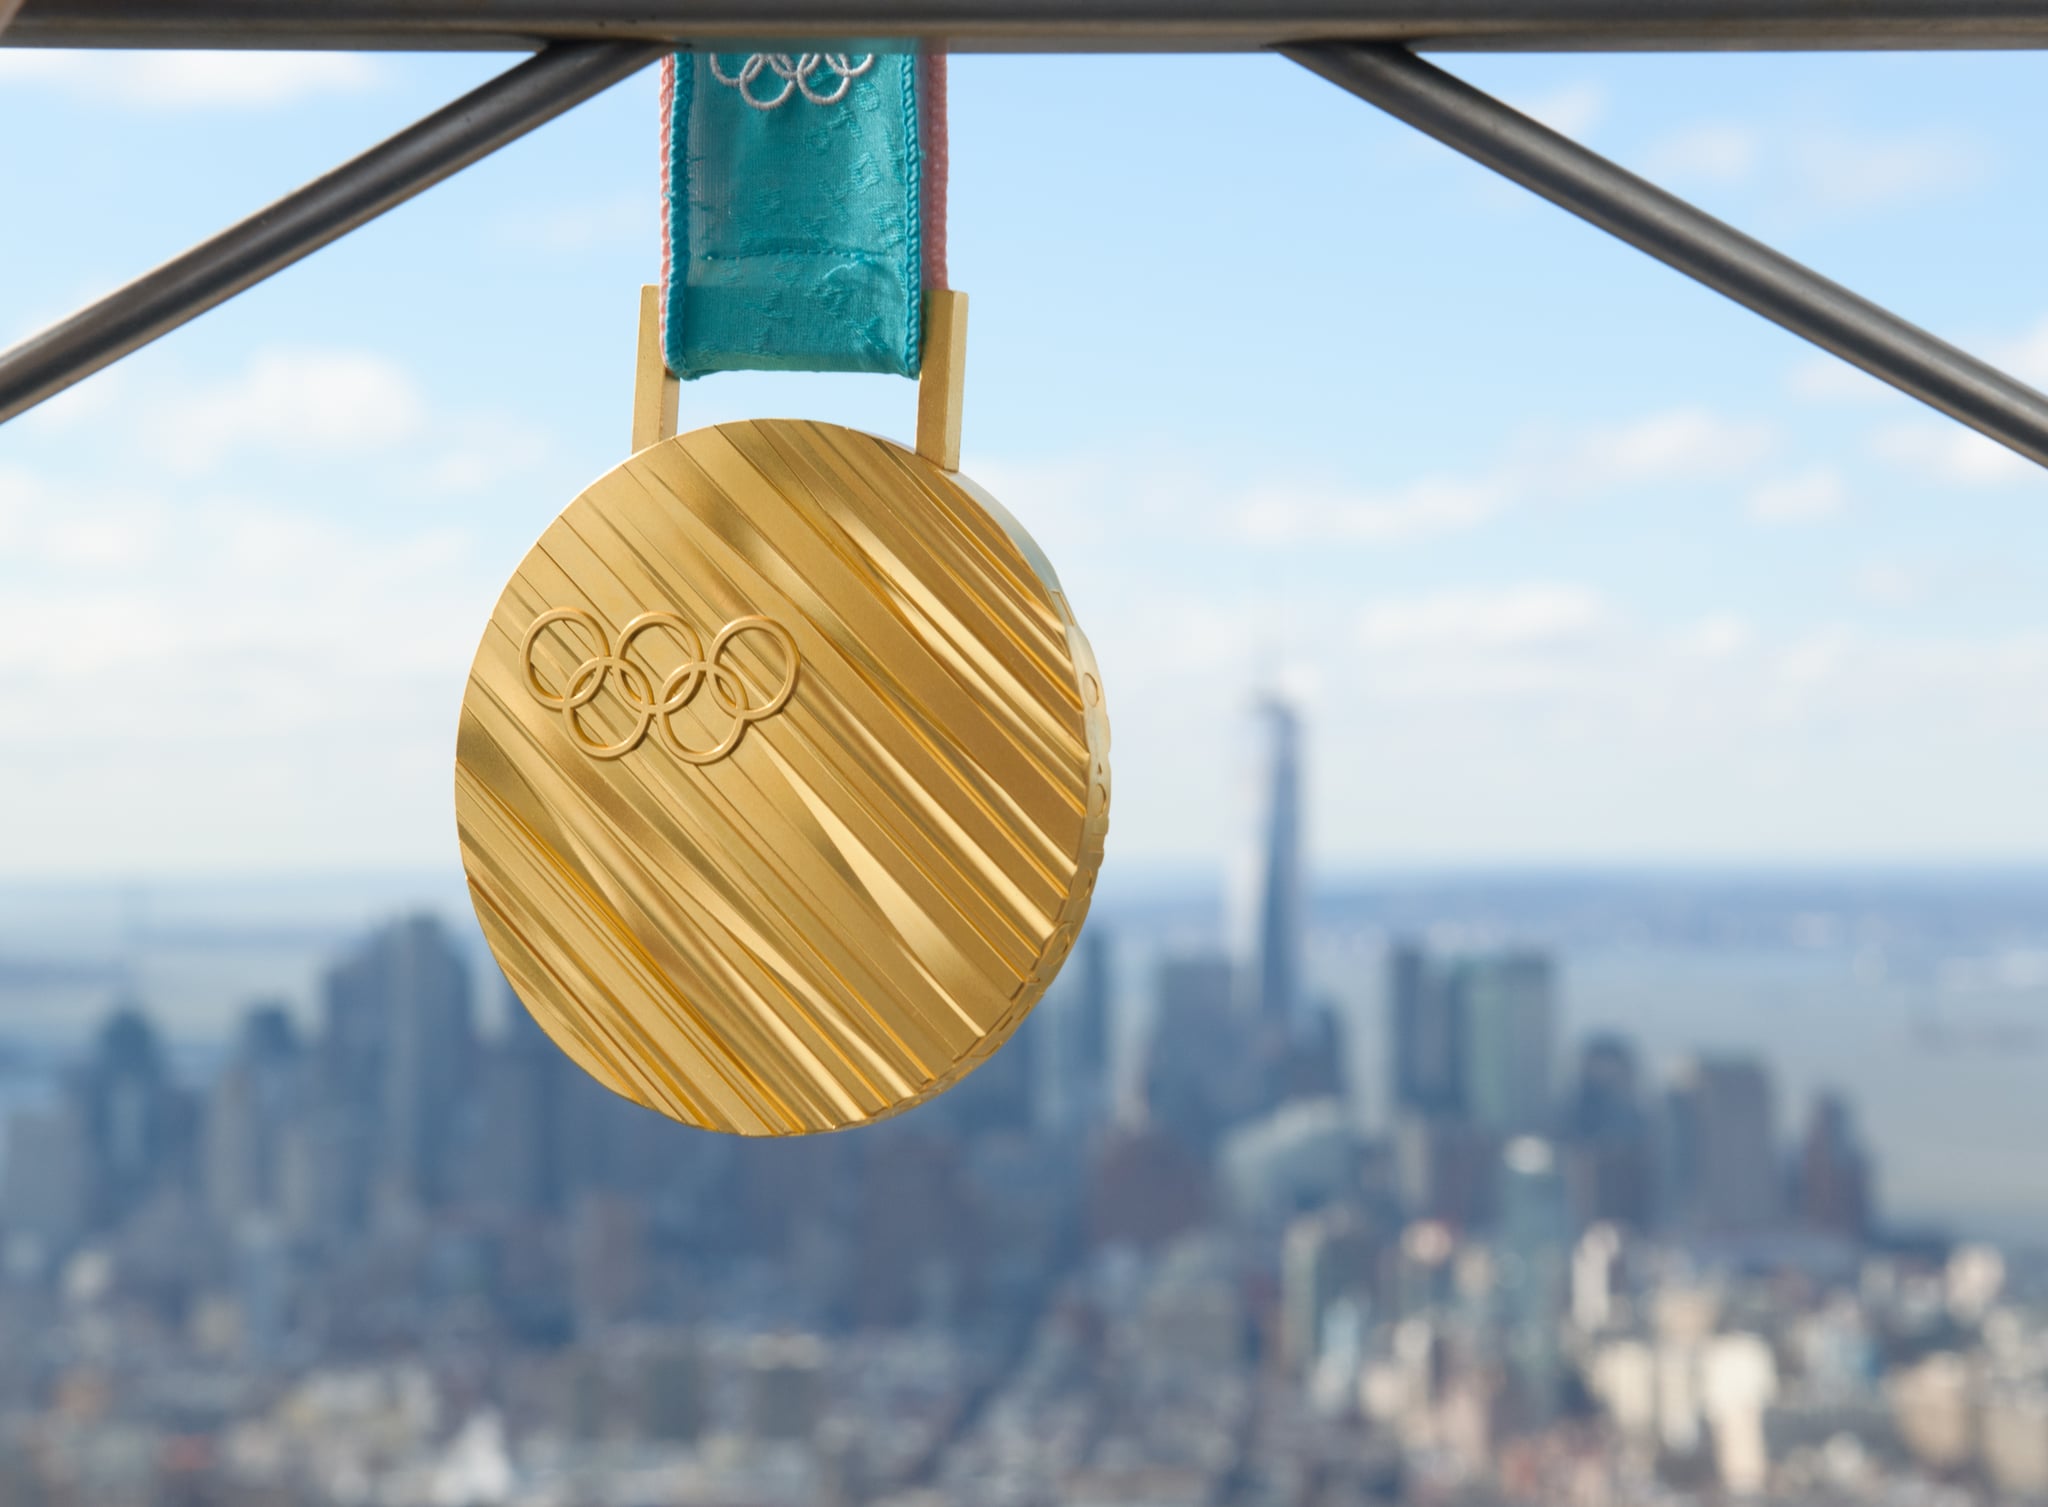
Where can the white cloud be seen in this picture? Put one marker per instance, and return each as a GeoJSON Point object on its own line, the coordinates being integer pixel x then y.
{"type": "Point", "coordinates": [1804, 497]}
{"type": "Point", "coordinates": [306, 402]}
{"type": "Point", "coordinates": [1719, 635]}
{"type": "Point", "coordinates": [1432, 505]}
{"type": "Point", "coordinates": [2027, 356]}
{"type": "Point", "coordinates": [181, 81]}
{"type": "Point", "coordinates": [236, 588]}
{"type": "Point", "coordinates": [1946, 451]}
{"type": "Point", "coordinates": [1865, 169]}
{"type": "Point", "coordinates": [230, 685]}
{"type": "Point", "coordinates": [1675, 446]}
{"type": "Point", "coordinates": [1816, 656]}
{"type": "Point", "coordinates": [1515, 617]}
{"type": "Point", "coordinates": [1829, 168]}
{"type": "Point", "coordinates": [482, 453]}
{"type": "Point", "coordinates": [1713, 151]}
{"type": "Point", "coordinates": [1886, 584]}
{"type": "Point", "coordinates": [101, 529]}
{"type": "Point", "coordinates": [1574, 110]}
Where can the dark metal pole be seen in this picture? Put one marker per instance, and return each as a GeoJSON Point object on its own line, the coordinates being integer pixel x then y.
{"type": "Point", "coordinates": [418, 157]}
{"type": "Point", "coordinates": [1697, 244]}
{"type": "Point", "coordinates": [1041, 25]}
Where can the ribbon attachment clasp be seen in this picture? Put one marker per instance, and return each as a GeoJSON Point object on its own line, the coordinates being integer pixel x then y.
{"type": "Point", "coordinates": [941, 377]}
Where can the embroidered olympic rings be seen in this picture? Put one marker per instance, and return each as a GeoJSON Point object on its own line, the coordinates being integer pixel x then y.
{"type": "Point", "coordinates": [636, 684]}
{"type": "Point", "coordinates": [796, 73]}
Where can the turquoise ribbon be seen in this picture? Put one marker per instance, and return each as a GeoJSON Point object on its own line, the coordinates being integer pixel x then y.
{"type": "Point", "coordinates": [793, 231]}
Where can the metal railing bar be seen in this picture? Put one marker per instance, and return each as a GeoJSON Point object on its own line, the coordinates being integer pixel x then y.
{"type": "Point", "coordinates": [1042, 25]}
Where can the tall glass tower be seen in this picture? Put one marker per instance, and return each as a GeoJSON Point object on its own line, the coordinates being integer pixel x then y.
{"type": "Point", "coordinates": [1273, 899]}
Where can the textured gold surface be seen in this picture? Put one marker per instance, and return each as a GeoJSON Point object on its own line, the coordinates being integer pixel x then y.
{"type": "Point", "coordinates": [782, 778]}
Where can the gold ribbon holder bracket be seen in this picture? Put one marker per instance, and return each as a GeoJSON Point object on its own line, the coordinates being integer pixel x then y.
{"type": "Point", "coordinates": [940, 385]}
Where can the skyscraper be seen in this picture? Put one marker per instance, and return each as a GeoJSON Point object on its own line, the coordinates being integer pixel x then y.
{"type": "Point", "coordinates": [131, 1116]}
{"type": "Point", "coordinates": [1608, 1151]}
{"type": "Point", "coordinates": [248, 1114]}
{"type": "Point", "coordinates": [433, 1057]}
{"type": "Point", "coordinates": [46, 1178]}
{"type": "Point", "coordinates": [1469, 1043]}
{"type": "Point", "coordinates": [1425, 1042]}
{"type": "Point", "coordinates": [1834, 1173]}
{"type": "Point", "coordinates": [1073, 1069]}
{"type": "Point", "coordinates": [524, 1162]}
{"type": "Point", "coordinates": [1507, 1019]}
{"type": "Point", "coordinates": [1327, 1258]}
{"type": "Point", "coordinates": [1723, 1148]}
{"type": "Point", "coordinates": [1273, 900]}
{"type": "Point", "coordinates": [397, 1057]}
{"type": "Point", "coordinates": [1201, 1073]}
{"type": "Point", "coordinates": [1534, 1239]}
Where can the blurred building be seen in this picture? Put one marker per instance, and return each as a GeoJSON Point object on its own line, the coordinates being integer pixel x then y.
{"type": "Point", "coordinates": [1723, 1173]}
{"type": "Point", "coordinates": [524, 1154]}
{"type": "Point", "coordinates": [1934, 1403]}
{"type": "Point", "coordinates": [1073, 1067]}
{"type": "Point", "coordinates": [786, 1386]}
{"type": "Point", "coordinates": [1145, 1188]}
{"type": "Point", "coordinates": [1507, 1009]}
{"type": "Point", "coordinates": [1300, 1158]}
{"type": "Point", "coordinates": [1833, 1174]}
{"type": "Point", "coordinates": [1326, 1259]}
{"type": "Point", "coordinates": [1470, 1043]}
{"type": "Point", "coordinates": [1424, 1037]}
{"type": "Point", "coordinates": [137, 1124]}
{"type": "Point", "coordinates": [672, 1390]}
{"type": "Point", "coordinates": [431, 1075]}
{"type": "Point", "coordinates": [2014, 1439]}
{"type": "Point", "coordinates": [608, 1261]}
{"type": "Point", "coordinates": [1201, 1065]}
{"type": "Point", "coordinates": [1738, 1380]}
{"type": "Point", "coordinates": [1533, 1239]}
{"type": "Point", "coordinates": [1609, 1156]}
{"type": "Point", "coordinates": [395, 1076]}
{"type": "Point", "coordinates": [46, 1190]}
{"type": "Point", "coordinates": [1448, 1170]}
{"type": "Point", "coordinates": [1272, 902]}
{"type": "Point", "coordinates": [250, 1112]}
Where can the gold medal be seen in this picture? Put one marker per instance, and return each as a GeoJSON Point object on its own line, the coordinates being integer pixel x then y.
{"type": "Point", "coordinates": [782, 776]}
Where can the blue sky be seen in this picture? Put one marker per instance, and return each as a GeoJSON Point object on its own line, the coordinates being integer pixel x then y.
{"type": "Point", "coordinates": [1569, 559]}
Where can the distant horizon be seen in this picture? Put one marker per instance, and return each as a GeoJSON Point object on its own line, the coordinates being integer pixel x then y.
{"type": "Point", "coordinates": [1140, 873]}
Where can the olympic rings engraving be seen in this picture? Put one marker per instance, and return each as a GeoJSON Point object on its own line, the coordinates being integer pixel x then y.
{"type": "Point", "coordinates": [636, 683]}
{"type": "Point", "coordinates": [796, 73]}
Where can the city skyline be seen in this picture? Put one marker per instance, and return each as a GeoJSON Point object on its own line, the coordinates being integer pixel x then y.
{"type": "Point", "coordinates": [308, 1165]}
{"type": "Point", "coordinates": [1226, 1215]}
{"type": "Point", "coordinates": [1932, 976]}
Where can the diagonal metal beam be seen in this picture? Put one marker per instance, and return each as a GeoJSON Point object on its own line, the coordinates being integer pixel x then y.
{"type": "Point", "coordinates": [214, 271]}
{"type": "Point", "coordinates": [1697, 244]}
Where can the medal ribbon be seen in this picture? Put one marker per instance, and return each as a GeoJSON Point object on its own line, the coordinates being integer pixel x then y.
{"type": "Point", "coordinates": [805, 210]}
